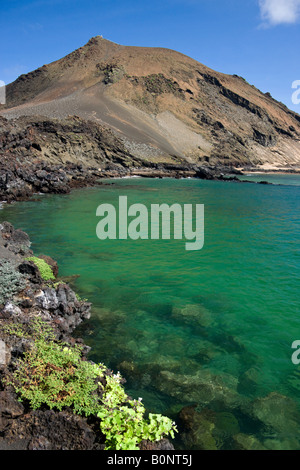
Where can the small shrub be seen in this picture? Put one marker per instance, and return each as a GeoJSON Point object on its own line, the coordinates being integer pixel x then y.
{"type": "Point", "coordinates": [123, 420]}
{"type": "Point", "coordinates": [52, 373]}
{"type": "Point", "coordinates": [44, 268]}
{"type": "Point", "coordinates": [12, 281]}
{"type": "Point", "coordinates": [56, 284]}
{"type": "Point", "coordinates": [14, 329]}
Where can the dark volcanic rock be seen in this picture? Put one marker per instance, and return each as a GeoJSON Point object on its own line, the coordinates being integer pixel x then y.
{"type": "Point", "coordinates": [16, 241]}
{"type": "Point", "coordinates": [50, 430]}
{"type": "Point", "coordinates": [52, 156]}
{"type": "Point", "coordinates": [39, 155]}
{"type": "Point", "coordinates": [164, 444]}
{"type": "Point", "coordinates": [9, 405]}
{"type": "Point", "coordinates": [31, 271]}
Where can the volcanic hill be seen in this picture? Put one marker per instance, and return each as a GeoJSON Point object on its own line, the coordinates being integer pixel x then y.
{"type": "Point", "coordinates": [163, 106]}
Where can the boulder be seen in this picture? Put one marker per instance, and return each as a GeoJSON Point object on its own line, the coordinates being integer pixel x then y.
{"type": "Point", "coordinates": [202, 388]}
{"type": "Point", "coordinates": [10, 407]}
{"type": "Point", "coordinates": [72, 432]}
{"type": "Point", "coordinates": [11, 310]}
{"type": "Point", "coordinates": [47, 299]}
{"type": "Point", "coordinates": [4, 354]}
{"type": "Point", "coordinates": [163, 444]}
{"type": "Point", "coordinates": [31, 271]}
{"type": "Point", "coordinates": [246, 442]}
{"type": "Point", "coordinates": [192, 314]}
{"type": "Point", "coordinates": [197, 429]}
{"type": "Point", "coordinates": [275, 412]}
{"type": "Point", "coordinates": [16, 241]}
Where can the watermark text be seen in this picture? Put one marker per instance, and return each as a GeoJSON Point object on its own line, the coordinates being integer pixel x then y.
{"type": "Point", "coordinates": [185, 221]}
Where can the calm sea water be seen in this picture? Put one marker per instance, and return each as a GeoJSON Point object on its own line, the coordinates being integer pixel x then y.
{"type": "Point", "coordinates": [211, 328]}
{"type": "Point", "coordinates": [278, 179]}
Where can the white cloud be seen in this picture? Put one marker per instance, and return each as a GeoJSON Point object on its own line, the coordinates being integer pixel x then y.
{"type": "Point", "coordinates": [275, 12]}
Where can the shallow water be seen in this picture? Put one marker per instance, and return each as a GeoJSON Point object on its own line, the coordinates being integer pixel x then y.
{"type": "Point", "coordinates": [211, 328]}
{"type": "Point", "coordinates": [274, 178]}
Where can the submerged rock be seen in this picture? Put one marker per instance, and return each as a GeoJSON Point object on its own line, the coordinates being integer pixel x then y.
{"type": "Point", "coordinates": [248, 381]}
{"type": "Point", "coordinates": [275, 412]}
{"type": "Point", "coordinates": [226, 425]}
{"type": "Point", "coordinates": [247, 442]}
{"type": "Point", "coordinates": [289, 443]}
{"type": "Point", "coordinates": [207, 429]}
{"type": "Point", "coordinates": [197, 429]}
{"type": "Point", "coordinates": [202, 388]}
{"type": "Point", "coordinates": [203, 351]}
{"type": "Point", "coordinates": [192, 314]}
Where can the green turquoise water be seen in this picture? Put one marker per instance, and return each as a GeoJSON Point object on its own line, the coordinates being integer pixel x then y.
{"type": "Point", "coordinates": [278, 179]}
{"type": "Point", "coordinates": [211, 328]}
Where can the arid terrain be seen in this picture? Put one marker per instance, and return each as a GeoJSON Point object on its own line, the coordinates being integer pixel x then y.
{"type": "Point", "coordinates": [162, 106]}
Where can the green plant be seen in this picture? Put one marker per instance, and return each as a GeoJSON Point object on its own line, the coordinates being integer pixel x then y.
{"type": "Point", "coordinates": [54, 374]}
{"type": "Point", "coordinates": [35, 328]}
{"type": "Point", "coordinates": [44, 268]}
{"type": "Point", "coordinates": [79, 298]}
{"type": "Point", "coordinates": [123, 420]}
{"type": "Point", "coordinates": [14, 329]}
{"type": "Point", "coordinates": [12, 281]}
{"type": "Point", "coordinates": [56, 284]}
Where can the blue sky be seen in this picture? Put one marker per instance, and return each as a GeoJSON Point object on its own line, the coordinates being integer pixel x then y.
{"type": "Point", "coordinates": [257, 39]}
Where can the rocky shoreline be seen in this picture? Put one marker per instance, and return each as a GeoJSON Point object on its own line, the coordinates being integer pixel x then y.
{"type": "Point", "coordinates": [24, 296]}
{"type": "Point", "coordinates": [21, 183]}
{"type": "Point", "coordinates": [39, 155]}
{"type": "Point", "coordinates": [43, 155]}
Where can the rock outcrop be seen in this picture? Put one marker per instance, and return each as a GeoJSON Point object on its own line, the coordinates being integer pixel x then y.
{"type": "Point", "coordinates": [55, 156]}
